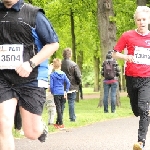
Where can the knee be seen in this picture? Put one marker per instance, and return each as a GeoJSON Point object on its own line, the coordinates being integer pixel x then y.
{"type": "Point", "coordinates": [144, 110]}
{"type": "Point", "coordinates": [32, 134]}
{"type": "Point", "coordinates": [71, 104]}
{"type": "Point", "coordinates": [113, 98]}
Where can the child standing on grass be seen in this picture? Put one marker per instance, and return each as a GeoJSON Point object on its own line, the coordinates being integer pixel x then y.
{"type": "Point", "coordinates": [57, 81]}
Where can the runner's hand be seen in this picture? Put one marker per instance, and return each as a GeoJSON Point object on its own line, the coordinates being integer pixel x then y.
{"type": "Point", "coordinates": [24, 69]}
{"type": "Point", "coordinates": [65, 95]}
{"type": "Point", "coordinates": [129, 58]}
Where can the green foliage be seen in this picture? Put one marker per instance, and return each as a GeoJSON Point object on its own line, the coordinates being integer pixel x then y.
{"type": "Point", "coordinates": [86, 32]}
{"type": "Point", "coordinates": [124, 11]}
{"type": "Point", "coordinates": [148, 3]}
{"type": "Point", "coordinates": [86, 28]}
{"type": "Point", "coordinates": [88, 76]}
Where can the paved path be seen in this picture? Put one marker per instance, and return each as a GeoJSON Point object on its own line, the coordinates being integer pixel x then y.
{"type": "Point", "coordinates": [118, 134]}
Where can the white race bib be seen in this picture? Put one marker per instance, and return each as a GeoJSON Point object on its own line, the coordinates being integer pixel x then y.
{"type": "Point", "coordinates": [11, 55]}
{"type": "Point", "coordinates": [142, 55]}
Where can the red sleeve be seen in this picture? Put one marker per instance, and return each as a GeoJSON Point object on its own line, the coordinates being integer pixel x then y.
{"type": "Point", "coordinates": [121, 44]}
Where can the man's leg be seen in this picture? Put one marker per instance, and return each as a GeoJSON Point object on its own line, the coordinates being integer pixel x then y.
{"type": "Point", "coordinates": [114, 87]}
{"type": "Point", "coordinates": [144, 111]}
{"type": "Point", "coordinates": [62, 103]}
{"type": "Point", "coordinates": [106, 94]}
{"type": "Point", "coordinates": [133, 95]}
{"type": "Point", "coordinates": [57, 99]}
{"type": "Point", "coordinates": [7, 112]}
{"type": "Point", "coordinates": [32, 124]}
{"type": "Point", "coordinates": [71, 102]}
{"type": "Point", "coordinates": [63, 107]}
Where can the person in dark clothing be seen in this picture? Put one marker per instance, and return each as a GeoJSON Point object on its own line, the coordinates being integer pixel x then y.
{"type": "Point", "coordinates": [136, 46]}
{"type": "Point", "coordinates": [27, 40]}
{"type": "Point", "coordinates": [110, 84]}
{"type": "Point", "coordinates": [57, 80]}
{"type": "Point", "coordinates": [74, 75]}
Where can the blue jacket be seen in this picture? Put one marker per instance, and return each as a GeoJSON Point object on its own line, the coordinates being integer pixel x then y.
{"type": "Point", "coordinates": [57, 81]}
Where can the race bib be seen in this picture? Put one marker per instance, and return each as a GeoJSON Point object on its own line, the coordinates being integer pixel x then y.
{"type": "Point", "coordinates": [11, 55]}
{"type": "Point", "coordinates": [142, 55]}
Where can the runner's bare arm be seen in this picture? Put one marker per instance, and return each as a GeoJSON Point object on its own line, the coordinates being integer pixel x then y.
{"type": "Point", "coordinates": [24, 69]}
{"type": "Point", "coordinates": [117, 55]}
{"type": "Point", "coordinates": [45, 53]}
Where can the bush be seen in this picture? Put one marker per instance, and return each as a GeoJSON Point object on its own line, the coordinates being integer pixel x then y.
{"type": "Point", "coordinates": [87, 76]}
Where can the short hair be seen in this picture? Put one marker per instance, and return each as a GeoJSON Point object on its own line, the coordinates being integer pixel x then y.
{"type": "Point", "coordinates": [56, 63]}
{"type": "Point", "coordinates": [142, 9]}
{"type": "Point", "coordinates": [67, 53]}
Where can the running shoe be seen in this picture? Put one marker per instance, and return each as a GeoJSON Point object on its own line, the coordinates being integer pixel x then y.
{"type": "Point", "coordinates": [61, 126]}
{"type": "Point", "coordinates": [138, 146]}
{"type": "Point", "coordinates": [56, 126]}
{"type": "Point", "coordinates": [43, 136]}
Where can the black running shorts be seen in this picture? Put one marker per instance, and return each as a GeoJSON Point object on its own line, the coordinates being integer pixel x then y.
{"type": "Point", "coordinates": [31, 98]}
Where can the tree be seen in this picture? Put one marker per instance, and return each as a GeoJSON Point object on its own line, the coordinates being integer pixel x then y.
{"type": "Point", "coordinates": [141, 2]}
{"type": "Point", "coordinates": [107, 31]}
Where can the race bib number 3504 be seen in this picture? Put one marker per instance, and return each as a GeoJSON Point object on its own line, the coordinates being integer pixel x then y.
{"type": "Point", "coordinates": [11, 55]}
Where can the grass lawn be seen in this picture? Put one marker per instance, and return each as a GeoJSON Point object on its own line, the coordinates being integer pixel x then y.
{"type": "Point", "coordinates": [87, 113]}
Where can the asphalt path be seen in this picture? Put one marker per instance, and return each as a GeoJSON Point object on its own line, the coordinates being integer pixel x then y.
{"type": "Point", "coordinates": [116, 134]}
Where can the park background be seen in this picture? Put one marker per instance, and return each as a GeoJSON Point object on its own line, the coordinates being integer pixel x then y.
{"type": "Point", "coordinates": [90, 28]}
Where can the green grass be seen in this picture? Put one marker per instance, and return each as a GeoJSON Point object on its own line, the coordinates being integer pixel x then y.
{"type": "Point", "coordinates": [87, 113]}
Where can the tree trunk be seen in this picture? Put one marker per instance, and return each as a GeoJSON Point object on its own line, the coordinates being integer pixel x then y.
{"type": "Point", "coordinates": [141, 2]}
{"type": "Point", "coordinates": [80, 62]}
{"type": "Point", "coordinates": [107, 32]}
{"type": "Point", "coordinates": [73, 43]}
{"type": "Point", "coordinates": [100, 104]}
{"type": "Point", "coordinates": [97, 73]}
{"type": "Point", "coordinates": [73, 36]}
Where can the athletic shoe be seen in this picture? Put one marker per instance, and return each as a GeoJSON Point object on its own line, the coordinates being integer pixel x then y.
{"type": "Point", "coordinates": [138, 146]}
{"type": "Point", "coordinates": [43, 136]}
{"type": "Point", "coordinates": [61, 126]}
{"type": "Point", "coordinates": [56, 126]}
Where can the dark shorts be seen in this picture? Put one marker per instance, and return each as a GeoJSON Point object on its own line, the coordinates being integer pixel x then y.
{"type": "Point", "coordinates": [31, 98]}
